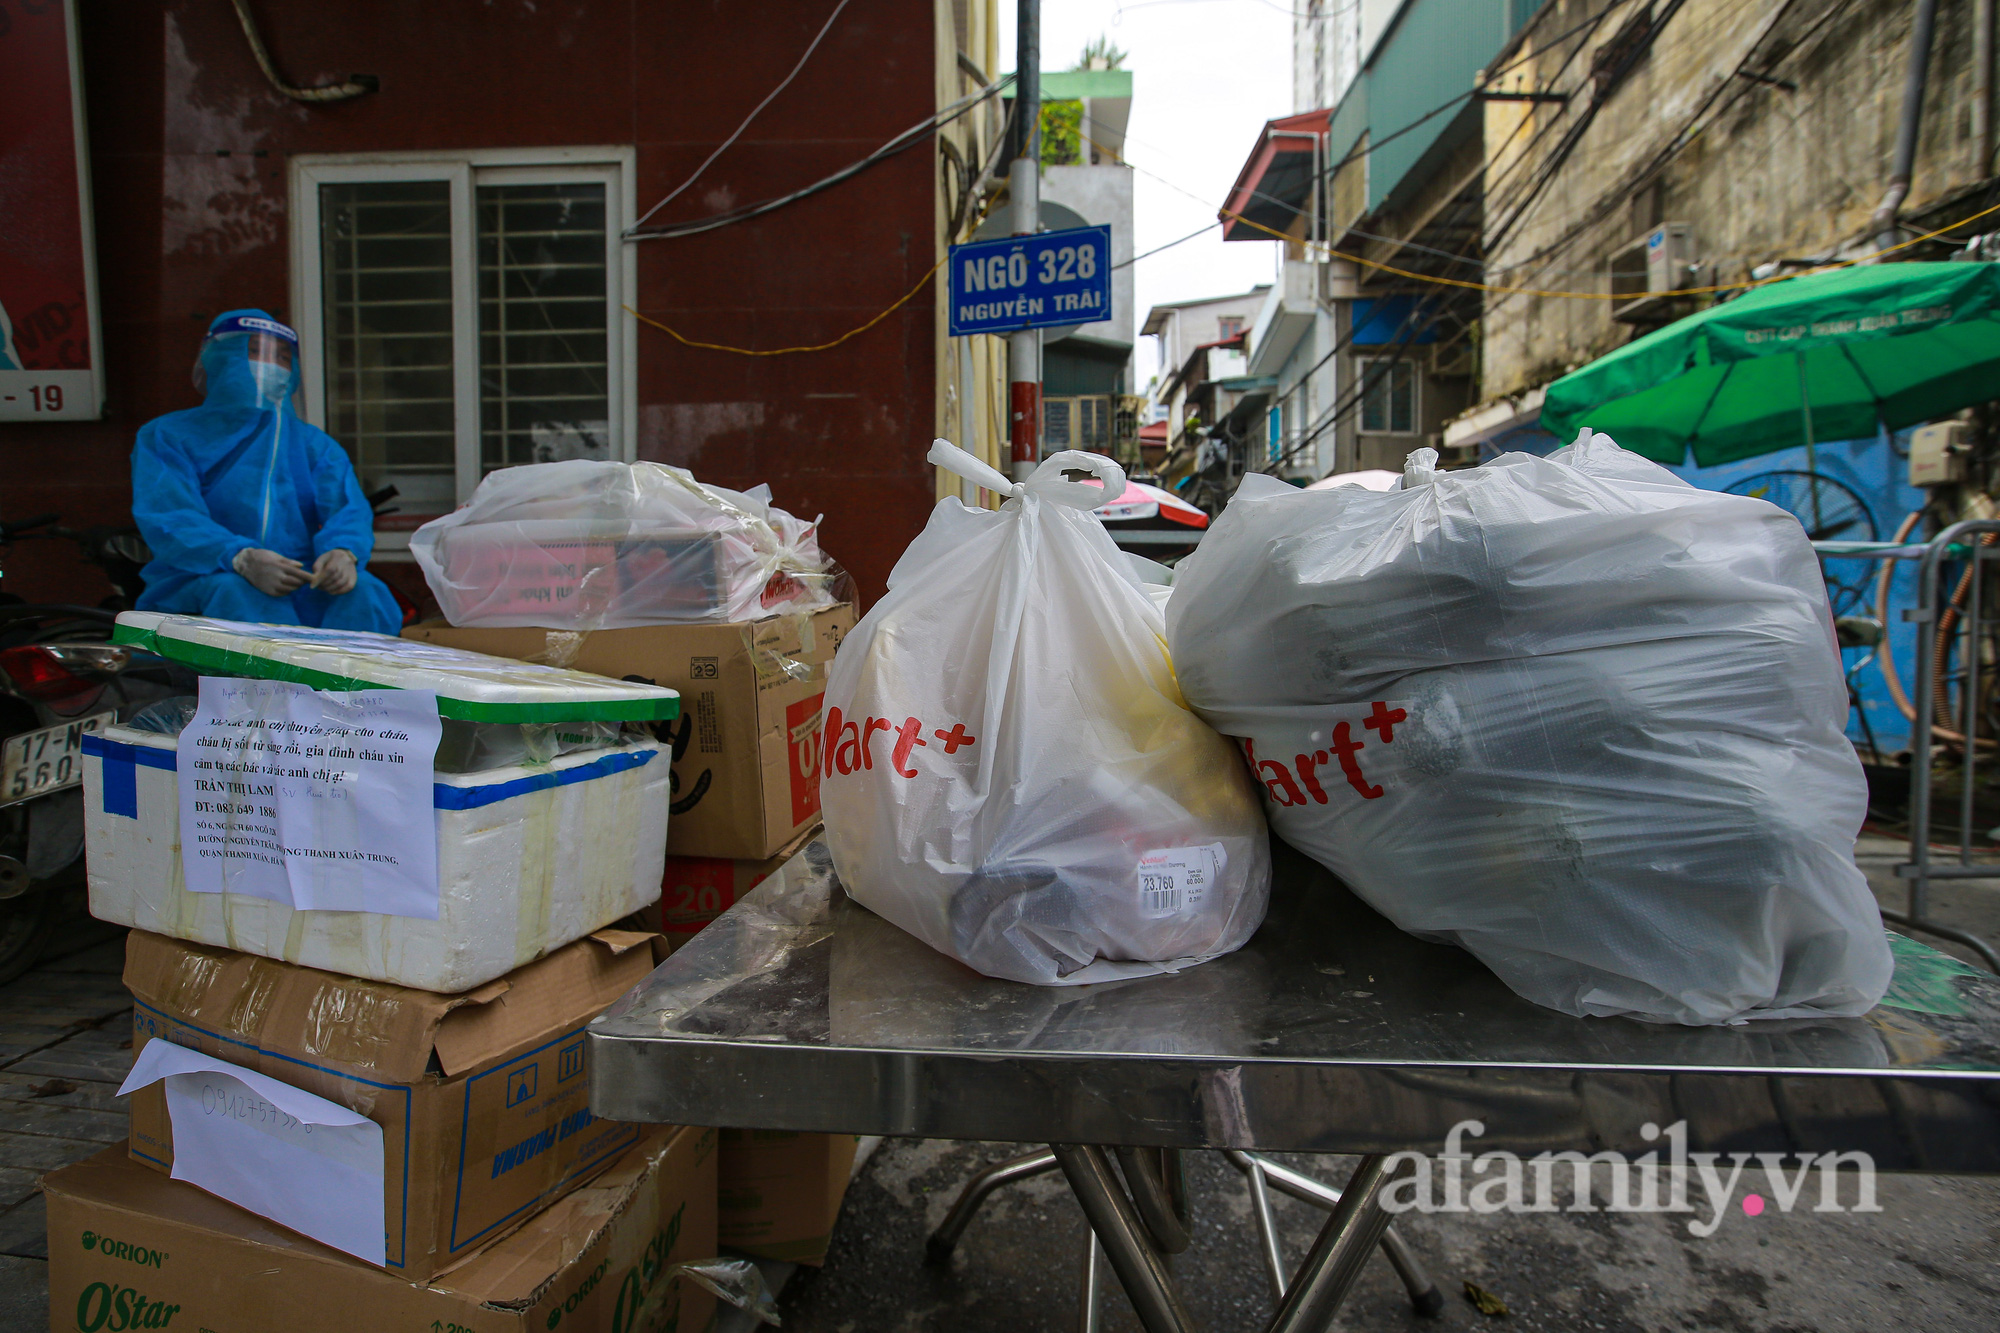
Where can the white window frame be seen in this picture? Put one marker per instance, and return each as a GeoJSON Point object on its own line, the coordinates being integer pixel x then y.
{"type": "Point", "coordinates": [1367, 364]}
{"type": "Point", "coordinates": [613, 167]}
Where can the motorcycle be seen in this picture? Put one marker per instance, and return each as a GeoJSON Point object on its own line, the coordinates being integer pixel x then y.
{"type": "Point", "coordinates": [61, 679]}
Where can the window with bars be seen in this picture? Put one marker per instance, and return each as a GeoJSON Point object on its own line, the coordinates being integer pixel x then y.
{"type": "Point", "coordinates": [543, 333]}
{"type": "Point", "coordinates": [385, 250]}
{"type": "Point", "coordinates": [1079, 423]}
{"type": "Point", "coordinates": [461, 316]}
{"type": "Point", "coordinates": [1388, 397]}
{"type": "Point", "coordinates": [1056, 433]}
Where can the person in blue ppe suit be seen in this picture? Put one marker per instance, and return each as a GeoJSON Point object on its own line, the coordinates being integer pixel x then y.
{"type": "Point", "coordinates": [253, 514]}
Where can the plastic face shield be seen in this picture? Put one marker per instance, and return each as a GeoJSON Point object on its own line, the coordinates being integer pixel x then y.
{"type": "Point", "coordinates": [261, 349]}
{"type": "Point", "coordinates": [271, 350]}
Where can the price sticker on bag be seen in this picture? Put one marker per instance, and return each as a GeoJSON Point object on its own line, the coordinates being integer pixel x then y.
{"type": "Point", "coordinates": [1175, 881]}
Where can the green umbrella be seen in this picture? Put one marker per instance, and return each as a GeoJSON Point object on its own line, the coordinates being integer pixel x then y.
{"type": "Point", "coordinates": [1827, 356]}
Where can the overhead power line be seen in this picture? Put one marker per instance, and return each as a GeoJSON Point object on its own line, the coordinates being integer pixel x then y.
{"type": "Point", "coordinates": [916, 134]}
{"type": "Point", "coordinates": [737, 133]}
{"type": "Point", "coordinates": [1125, 263]}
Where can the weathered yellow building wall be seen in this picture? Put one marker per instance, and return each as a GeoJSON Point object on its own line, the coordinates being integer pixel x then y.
{"type": "Point", "coordinates": [971, 389]}
{"type": "Point", "coordinates": [1761, 173]}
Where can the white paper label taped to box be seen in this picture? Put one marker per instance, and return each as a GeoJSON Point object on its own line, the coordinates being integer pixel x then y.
{"type": "Point", "coordinates": [319, 800]}
{"type": "Point", "coordinates": [1174, 881]}
{"type": "Point", "coordinates": [281, 1152]}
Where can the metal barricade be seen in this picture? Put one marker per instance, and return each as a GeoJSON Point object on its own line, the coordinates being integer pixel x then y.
{"type": "Point", "coordinates": [1962, 615]}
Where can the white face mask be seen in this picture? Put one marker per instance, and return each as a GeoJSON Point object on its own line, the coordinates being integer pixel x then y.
{"type": "Point", "coordinates": [272, 380]}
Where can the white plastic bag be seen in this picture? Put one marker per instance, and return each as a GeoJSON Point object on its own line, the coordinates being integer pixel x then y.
{"type": "Point", "coordinates": [1571, 713]}
{"type": "Point", "coordinates": [587, 544]}
{"type": "Point", "coordinates": [1008, 770]}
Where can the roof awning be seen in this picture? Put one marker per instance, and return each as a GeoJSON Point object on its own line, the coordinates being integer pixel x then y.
{"type": "Point", "coordinates": [1199, 356]}
{"type": "Point", "coordinates": [1273, 188]}
{"type": "Point", "coordinates": [1258, 395]}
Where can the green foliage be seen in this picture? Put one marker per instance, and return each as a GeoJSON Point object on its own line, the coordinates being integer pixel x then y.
{"type": "Point", "coordinates": [1062, 134]}
{"type": "Point", "coordinates": [1099, 53]}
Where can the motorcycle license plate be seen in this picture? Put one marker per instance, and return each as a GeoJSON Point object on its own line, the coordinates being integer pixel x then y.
{"type": "Point", "coordinates": [36, 763]}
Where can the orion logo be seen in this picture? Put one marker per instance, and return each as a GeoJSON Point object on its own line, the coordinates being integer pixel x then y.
{"type": "Point", "coordinates": [575, 1298]}
{"type": "Point", "coordinates": [118, 1249]}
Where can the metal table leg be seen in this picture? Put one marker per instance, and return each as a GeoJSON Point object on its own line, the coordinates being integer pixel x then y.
{"type": "Point", "coordinates": [945, 1239]}
{"type": "Point", "coordinates": [1424, 1293]}
{"type": "Point", "coordinates": [1267, 1230]}
{"type": "Point", "coordinates": [1149, 1191]}
{"type": "Point", "coordinates": [1086, 1300]}
{"type": "Point", "coordinates": [1173, 1165]}
{"type": "Point", "coordinates": [1133, 1230]}
{"type": "Point", "coordinates": [1354, 1228]}
{"type": "Point", "coordinates": [1140, 1268]}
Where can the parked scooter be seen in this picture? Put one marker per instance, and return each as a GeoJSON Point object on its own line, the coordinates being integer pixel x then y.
{"type": "Point", "coordinates": [61, 679]}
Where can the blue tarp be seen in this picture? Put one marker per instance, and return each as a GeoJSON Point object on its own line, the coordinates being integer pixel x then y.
{"type": "Point", "coordinates": [1877, 471]}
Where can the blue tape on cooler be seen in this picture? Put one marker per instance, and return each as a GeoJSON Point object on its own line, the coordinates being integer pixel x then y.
{"type": "Point", "coordinates": [121, 788]}
{"type": "Point", "coordinates": [121, 762]}
{"type": "Point", "coordinates": [121, 771]}
{"type": "Point", "coordinates": [471, 798]}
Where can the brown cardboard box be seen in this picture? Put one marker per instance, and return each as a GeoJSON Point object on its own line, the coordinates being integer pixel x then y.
{"type": "Point", "coordinates": [778, 1193]}
{"type": "Point", "coordinates": [697, 889]}
{"type": "Point", "coordinates": [746, 745]}
{"type": "Point", "coordinates": [130, 1249]}
{"type": "Point", "coordinates": [483, 1098]}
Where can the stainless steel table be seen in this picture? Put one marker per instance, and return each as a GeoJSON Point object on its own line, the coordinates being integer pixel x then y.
{"type": "Point", "coordinates": [1331, 1032]}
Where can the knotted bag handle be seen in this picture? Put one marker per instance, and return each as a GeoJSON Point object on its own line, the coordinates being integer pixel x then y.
{"type": "Point", "coordinates": [1047, 480]}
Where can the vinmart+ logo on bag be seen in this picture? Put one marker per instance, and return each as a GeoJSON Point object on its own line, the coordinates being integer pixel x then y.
{"type": "Point", "coordinates": [846, 746]}
{"type": "Point", "coordinates": [1338, 744]}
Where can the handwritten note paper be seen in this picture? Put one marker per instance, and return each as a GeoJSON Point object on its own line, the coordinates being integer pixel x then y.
{"type": "Point", "coordinates": [320, 800]}
{"type": "Point", "coordinates": [302, 1161]}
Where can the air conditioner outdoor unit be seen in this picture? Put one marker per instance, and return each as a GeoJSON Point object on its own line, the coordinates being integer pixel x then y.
{"type": "Point", "coordinates": [1657, 262]}
{"type": "Point", "coordinates": [1937, 453]}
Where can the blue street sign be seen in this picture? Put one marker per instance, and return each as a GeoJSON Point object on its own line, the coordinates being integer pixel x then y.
{"type": "Point", "coordinates": [1048, 280]}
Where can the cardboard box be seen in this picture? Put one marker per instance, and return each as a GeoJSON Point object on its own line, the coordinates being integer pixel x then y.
{"type": "Point", "coordinates": [697, 889]}
{"type": "Point", "coordinates": [130, 1249]}
{"type": "Point", "coordinates": [746, 745]}
{"type": "Point", "coordinates": [778, 1193]}
{"type": "Point", "coordinates": [483, 1098]}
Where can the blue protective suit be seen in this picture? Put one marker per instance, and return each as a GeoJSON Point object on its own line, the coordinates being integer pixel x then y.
{"type": "Point", "coordinates": [243, 471]}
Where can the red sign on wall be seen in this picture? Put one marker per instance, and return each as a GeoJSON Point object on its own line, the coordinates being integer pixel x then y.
{"type": "Point", "coordinates": [50, 362]}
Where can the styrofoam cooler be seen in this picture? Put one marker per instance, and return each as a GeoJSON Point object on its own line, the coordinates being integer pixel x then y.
{"type": "Point", "coordinates": [529, 859]}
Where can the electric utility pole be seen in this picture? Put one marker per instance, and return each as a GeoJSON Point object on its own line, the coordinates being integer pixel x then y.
{"type": "Point", "coordinates": [1024, 189]}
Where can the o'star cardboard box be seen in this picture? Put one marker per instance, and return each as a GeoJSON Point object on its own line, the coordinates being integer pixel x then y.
{"type": "Point", "coordinates": [746, 745]}
{"type": "Point", "coordinates": [697, 889]}
{"type": "Point", "coordinates": [483, 1098]}
{"type": "Point", "coordinates": [778, 1193]}
{"type": "Point", "coordinates": [131, 1249]}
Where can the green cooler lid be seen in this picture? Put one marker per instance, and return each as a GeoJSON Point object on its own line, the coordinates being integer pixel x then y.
{"type": "Point", "coordinates": [472, 687]}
